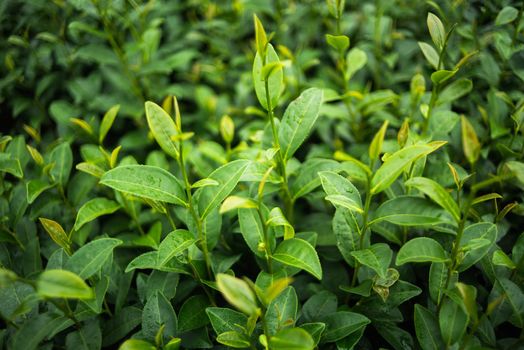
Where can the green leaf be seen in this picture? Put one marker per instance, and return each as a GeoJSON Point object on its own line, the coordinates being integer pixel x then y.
{"type": "Point", "coordinates": [469, 242]}
{"type": "Point", "coordinates": [485, 198]}
{"type": "Point", "coordinates": [501, 259]}
{"type": "Point", "coordinates": [336, 185]}
{"type": "Point", "coordinates": [260, 35]}
{"type": "Point", "coordinates": [430, 53]}
{"type": "Point", "coordinates": [299, 253]}
{"type": "Point", "coordinates": [150, 260]}
{"type": "Point", "coordinates": [237, 202]}
{"type": "Point", "coordinates": [277, 219]}
{"type": "Point", "coordinates": [308, 177]}
{"type": "Point", "coordinates": [319, 305]}
{"type": "Point", "coordinates": [453, 321]}
{"type": "Point", "coordinates": [436, 30]}
{"type": "Point", "coordinates": [342, 201]}
{"type": "Point", "coordinates": [347, 233]}
{"type": "Point", "coordinates": [238, 293]}
{"type": "Point", "coordinates": [62, 284]}
{"type": "Point", "coordinates": [394, 335]}
{"type": "Point", "coordinates": [377, 257]}
{"type": "Point", "coordinates": [251, 229]}
{"type": "Point", "coordinates": [90, 169]}
{"type": "Point", "coordinates": [375, 148]}
{"type": "Point", "coordinates": [470, 141]}
{"type": "Point", "coordinates": [356, 59]}
{"type": "Point", "coordinates": [227, 176]}
{"type": "Point", "coordinates": [442, 76]}
{"type": "Point", "coordinates": [515, 297]}
{"type": "Point", "coordinates": [292, 339]}
{"type": "Point", "coordinates": [35, 330]}
{"type": "Point", "coordinates": [395, 165]}
{"type": "Point", "coordinates": [281, 313]}
{"type": "Point", "coordinates": [341, 324]}
{"type": "Point", "coordinates": [270, 69]}
{"type": "Point", "coordinates": [163, 128]}
{"type": "Point", "coordinates": [224, 319]}
{"type": "Point", "coordinates": [517, 169]}
{"type": "Point", "coordinates": [11, 166]}
{"type": "Point", "coordinates": [121, 324]}
{"type": "Point", "coordinates": [107, 122]}
{"type": "Point", "coordinates": [158, 312]}
{"type": "Point", "coordinates": [62, 158]}
{"type": "Point", "coordinates": [192, 314]}
{"type": "Point", "coordinates": [427, 329]}
{"type": "Point", "coordinates": [275, 81]}
{"type": "Point", "coordinates": [174, 243]}
{"type": "Point", "coordinates": [35, 188]}
{"type": "Point", "coordinates": [410, 211]}
{"type": "Point", "coordinates": [468, 294]}
{"type": "Point", "coordinates": [507, 15]}
{"type": "Point", "coordinates": [90, 258]}
{"type": "Point", "coordinates": [146, 181]}
{"type": "Point", "coordinates": [93, 209]}
{"type": "Point", "coordinates": [338, 42]}
{"type": "Point", "coordinates": [421, 249]}
{"type": "Point", "coordinates": [57, 233]}
{"type": "Point", "coordinates": [437, 193]}
{"type": "Point", "coordinates": [315, 330]}
{"type": "Point", "coordinates": [298, 121]}
{"type": "Point", "coordinates": [136, 344]}
{"type": "Point", "coordinates": [454, 91]}
{"type": "Point", "coordinates": [336, 7]}
{"type": "Point", "coordinates": [438, 280]}
{"type": "Point", "coordinates": [234, 339]}
{"type": "Point", "coordinates": [88, 337]}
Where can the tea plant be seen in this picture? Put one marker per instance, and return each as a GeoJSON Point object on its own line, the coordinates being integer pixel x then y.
{"type": "Point", "coordinates": [350, 180]}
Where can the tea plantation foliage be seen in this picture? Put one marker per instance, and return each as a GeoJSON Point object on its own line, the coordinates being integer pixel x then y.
{"type": "Point", "coordinates": [261, 174]}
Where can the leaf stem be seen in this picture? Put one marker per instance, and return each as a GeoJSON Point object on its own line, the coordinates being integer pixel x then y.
{"type": "Point", "coordinates": [201, 236]}
{"type": "Point", "coordinates": [131, 210]}
{"type": "Point", "coordinates": [170, 218]}
{"type": "Point", "coordinates": [365, 215]}
{"type": "Point", "coordinates": [288, 200]}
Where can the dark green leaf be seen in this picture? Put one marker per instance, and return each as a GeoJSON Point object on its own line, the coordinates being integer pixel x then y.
{"type": "Point", "coordinates": [342, 323]}
{"type": "Point", "coordinates": [146, 181]}
{"type": "Point", "coordinates": [298, 121]}
{"type": "Point", "coordinates": [227, 176]}
{"type": "Point", "coordinates": [421, 249]}
{"type": "Point", "coordinates": [89, 259]}
{"type": "Point", "coordinates": [62, 284]}
{"type": "Point", "coordinates": [94, 208]}
{"type": "Point", "coordinates": [427, 329]}
{"type": "Point", "coordinates": [299, 253]}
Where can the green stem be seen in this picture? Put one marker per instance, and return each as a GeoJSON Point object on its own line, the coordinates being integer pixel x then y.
{"type": "Point", "coordinates": [499, 178]}
{"type": "Point", "coordinates": [431, 106]}
{"type": "Point", "coordinates": [201, 236]}
{"type": "Point", "coordinates": [365, 215]}
{"type": "Point", "coordinates": [131, 210]}
{"type": "Point", "coordinates": [456, 244]}
{"type": "Point", "coordinates": [267, 247]}
{"type": "Point", "coordinates": [436, 87]}
{"type": "Point", "coordinates": [170, 218]}
{"type": "Point", "coordinates": [288, 200]}
{"type": "Point", "coordinates": [264, 326]}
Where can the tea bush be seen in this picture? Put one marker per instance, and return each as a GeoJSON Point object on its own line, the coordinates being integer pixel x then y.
{"type": "Point", "coordinates": [329, 175]}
